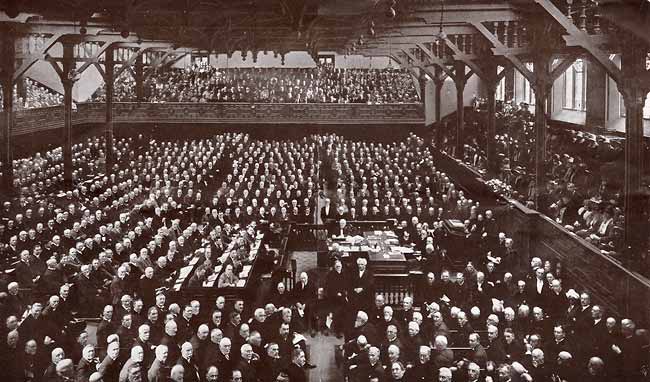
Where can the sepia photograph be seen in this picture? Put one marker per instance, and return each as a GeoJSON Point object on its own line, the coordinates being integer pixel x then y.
{"type": "Point", "coordinates": [325, 190]}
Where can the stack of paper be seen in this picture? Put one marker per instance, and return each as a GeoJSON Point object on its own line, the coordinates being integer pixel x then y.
{"type": "Point", "coordinates": [245, 271]}
{"type": "Point", "coordinates": [209, 283]}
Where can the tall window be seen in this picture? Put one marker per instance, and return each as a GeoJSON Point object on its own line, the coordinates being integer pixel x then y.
{"type": "Point", "coordinates": [326, 59]}
{"type": "Point", "coordinates": [501, 87]}
{"type": "Point", "coordinates": [529, 94]}
{"type": "Point", "coordinates": [575, 87]}
{"type": "Point", "coordinates": [201, 59]}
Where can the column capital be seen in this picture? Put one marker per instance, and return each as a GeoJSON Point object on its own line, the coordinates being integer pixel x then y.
{"type": "Point", "coordinates": [542, 86]}
{"type": "Point", "coordinates": [633, 91]}
{"type": "Point", "coordinates": [460, 82]}
{"type": "Point", "coordinates": [70, 78]}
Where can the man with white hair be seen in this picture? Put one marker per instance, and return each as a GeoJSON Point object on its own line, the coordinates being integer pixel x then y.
{"type": "Point", "coordinates": [422, 367]}
{"type": "Point", "coordinates": [361, 289]}
{"type": "Point", "coordinates": [156, 372]}
{"type": "Point", "coordinates": [186, 360]}
{"type": "Point", "coordinates": [110, 365]}
{"type": "Point", "coordinates": [88, 364]}
{"type": "Point", "coordinates": [259, 323]}
{"type": "Point", "coordinates": [368, 366]}
{"type": "Point", "coordinates": [119, 284]}
{"type": "Point", "coordinates": [473, 372]}
{"type": "Point", "coordinates": [177, 374]}
{"type": "Point", "coordinates": [538, 369]}
{"type": "Point", "coordinates": [247, 363]}
{"type": "Point", "coordinates": [442, 356]}
{"type": "Point", "coordinates": [224, 361]}
{"type": "Point", "coordinates": [57, 355]}
{"type": "Point", "coordinates": [405, 315]}
{"type": "Point", "coordinates": [477, 353]}
{"type": "Point", "coordinates": [200, 341]}
{"type": "Point", "coordinates": [304, 293]}
{"type": "Point", "coordinates": [137, 356]}
{"type": "Point", "coordinates": [630, 351]}
{"type": "Point", "coordinates": [444, 374]}
{"type": "Point", "coordinates": [144, 339]}
{"type": "Point", "coordinates": [413, 342]}
{"type": "Point", "coordinates": [364, 328]}
{"type": "Point", "coordinates": [86, 290]}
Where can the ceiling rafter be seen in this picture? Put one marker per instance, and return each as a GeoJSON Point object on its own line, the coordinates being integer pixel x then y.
{"type": "Point", "coordinates": [516, 62]}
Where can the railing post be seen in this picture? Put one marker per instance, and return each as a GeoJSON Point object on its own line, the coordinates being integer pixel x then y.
{"type": "Point", "coordinates": [460, 82]}
{"type": "Point", "coordinates": [7, 69]}
{"type": "Point", "coordinates": [109, 67]}
{"type": "Point", "coordinates": [68, 80]}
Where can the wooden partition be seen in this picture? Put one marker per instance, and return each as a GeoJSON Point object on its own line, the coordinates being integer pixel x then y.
{"type": "Point", "coordinates": [48, 118]}
{"type": "Point", "coordinates": [623, 293]}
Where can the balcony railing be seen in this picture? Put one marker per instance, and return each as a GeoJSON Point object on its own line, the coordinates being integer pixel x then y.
{"type": "Point", "coordinates": [42, 119]}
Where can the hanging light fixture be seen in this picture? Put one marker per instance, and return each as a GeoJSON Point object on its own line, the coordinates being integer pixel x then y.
{"type": "Point", "coordinates": [391, 13]}
{"type": "Point", "coordinates": [441, 35]}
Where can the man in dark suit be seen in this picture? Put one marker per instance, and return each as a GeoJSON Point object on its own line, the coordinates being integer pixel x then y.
{"type": "Point", "coordinates": [110, 365]}
{"type": "Point", "coordinates": [272, 364]}
{"type": "Point", "coordinates": [224, 362]}
{"type": "Point", "coordinates": [361, 289]}
{"type": "Point", "coordinates": [25, 275]}
{"type": "Point", "coordinates": [538, 289]}
{"type": "Point", "coordinates": [327, 211]}
{"type": "Point", "coordinates": [630, 352]}
{"type": "Point", "coordinates": [305, 292]}
{"type": "Point", "coordinates": [169, 339]}
{"type": "Point", "coordinates": [556, 301]}
{"type": "Point", "coordinates": [158, 371]}
{"type": "Point", "coordinates": [106, 326]}
{"type": "Point", "coordinates": [296, 371]}
{"type": "Point", "coordinates": [87, 365]}
{"type": "Point", "coordinates": [362, 327]}
{"type": "Point", "coordinates": [246, 364]}
{"type": "Point", "coordinates": [142, 339]}
{"type": "Point", "coordinates": [343, 229]}
{"type": "Point", "coordinates": [369, 366]}
{"type": "Point", "coordinates": [191, 371]}
{"type": "Point", "coordinates": [87, 293]}
{"type": "Point", "coordinates": [572, 202]}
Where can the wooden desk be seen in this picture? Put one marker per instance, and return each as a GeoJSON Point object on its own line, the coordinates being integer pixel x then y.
{"type": "Point", "coordinates": [381, 248]}
{"type": "Point", "coordinates": [206, 293]}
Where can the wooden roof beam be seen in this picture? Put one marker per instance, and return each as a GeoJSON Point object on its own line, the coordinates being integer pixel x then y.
{"type": "Point", "coordinates": [461, 56]}
{"type": "Point", "coordinates": [582, 39]}
{"type": "Point", "coordinates": [30, 60]}
{"type": "Point", "coordinates": [436, 60]}
{"type": "Point", "coordinates": [516, 62]}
